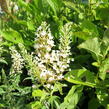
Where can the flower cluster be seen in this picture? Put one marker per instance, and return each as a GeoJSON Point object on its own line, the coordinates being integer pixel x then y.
{"type": "Point", "coordinates": [52, 63]}
{"type": "Point", "coordinates": [46, 63]}
{"type": "Point", "coordinates": [29, 62]}
{"type": "Point", "coordinates": [18, 61]}
{"type": "Point", "coordinates": [44, 41]}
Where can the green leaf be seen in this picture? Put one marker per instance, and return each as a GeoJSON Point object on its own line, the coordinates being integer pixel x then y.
{"type": "Point", "coordinates": [54, 101]}
{"type": "Point", "coordinates": [72, 98]}
{"type": "Point", "coordinates": [89, 30]}
{"type": "Point", "coordinates": [102, 12]}
{"type": "Point", "coordinates": [72, 5]}
{"type": "Point", "coordinates": [105, 43]}
{"type": "Point", "coordinates": [52, 4]}
{"type": "Point", "coordinates": [2, 106]}
{"type": "Point", "coordinates": [24, 5]}
{"type": "Point", "coordinates": [36, 105]}
{"type": "Point", "coordinates": [38, 93]}
{"type": "Point", "coordinates": [82, 35]}
{"type": "Point", "coordinates": [82, 58]}
{"type": "Point", "coordinates": [92, 46]}
{"type": "Point", "coordinates": [78, 76]}
{"type": "Point", "coordinates": [58, 87]}
{"type": "Point", "coordinates": [71, 80]}
{"type": "Point", "coordinates": [12, 36]}
{"type": "Point", "coordinates": [93, 104]}
{"type": "Point", "coordinates": [38, 6]}
{"type": "Point", "coordinates": [30, 25]}
{"type": "Point", "coordinates": [103, 68]}
{"type": "Point", "coordinates": [96, 64]}
{"type": "Point", "coordinates": [1, 91]}
{"type": "Point", "coordinates": [3, 61]}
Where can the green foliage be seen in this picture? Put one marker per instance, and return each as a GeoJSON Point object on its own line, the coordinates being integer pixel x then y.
{"type": "Point", "coordinates": [76, 77]}
{"type": "Point", "coordinates": [12, 36]}
{"type": "Point", "coordinates": [72, 98]}
{"type": "Point", "coordinates": [93, 46]}
{"type": "Point", "coordinates": [85, 85]}
{"type": "Point", "coordinates": [88, 30]}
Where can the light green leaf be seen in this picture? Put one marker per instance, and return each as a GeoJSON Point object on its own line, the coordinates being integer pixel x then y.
{"type": "Point", "coordinates": [71, 80]}
{"type": "Point", "coordinates": [36, 105]}
{"type": "Point", "coordinates": [52, 5]}
{"type": "Point", "coordinates": [72, 98]}
{"type": "Point", "coordinates": [1, 91]}
{"type": "Point", "coordinates": [76, 77]}
{"type": "Point", "coordinates": [105, 43]}
{"type": "Point", "coordinates": [89, 29]}
{"type": "Point", "coordinates": [103, 68]}
{"type": "Point", "coordinates": [92, 46]}
{"type": "Point", "coordinates": [102, 12]}
{"type": "Point", "coordinates": [82, 35]}
{"type": "Point", "coordinates": [58, 87]}
{"type": "Point", "coordinates": [54, 100]}
{"type": "Point", "coordinates": [72, 5]}
{"type": "Point", "coordinates": [30, 25]}
{"type": "Point", "coordinates": [12, 36]}
{"type": "Point", "coordinates": [96, 64]}
{"type": "Point", "coordinates": [3, 61]}
{"type": "Point", "coordinates": [38, 93]}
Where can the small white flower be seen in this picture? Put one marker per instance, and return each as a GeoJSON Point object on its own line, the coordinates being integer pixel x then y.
{"type": "Point", "coordinates": [72, 59]}
{"type": "Point", "coordinates": [52, 86]}
{"type": "Point", "coordinates": [60, 77]}
{"type": "Point", "coordinates": [39, 28]}
{"type": "Point", "coordinates": [41, 45]}
{"type": "Point", "coordinates": [43, 75]}
{"type": "Point", "coordinates": [54, 67]}
{"type": "Point", "coordinates": [70, 70]}
{"type": "Point", "coordinates": [48, 85]}
{"type": "Point", "coordinates": [51, 79]}
{"type": "Point", "coordinates": [34, 86]}
{"type": "Point", "coordinates": [47, 56]}
{"type": "Point", "coordinates": [16, 7]}
{"type": "Point", "coordinates": [64, 55]}
{"type": "Point", "coordinates": [48, 48]}
{"type": "Point", "coordinates": [50, 36]}
{"type": "Point", "coordinates": [49, 73]}
{"type": "Point", "coordinates": [62, 70]}
{"type": "Point", "coordinates": [41, 66]}
{"type": "Point", "coordinates": [43, 33]}
{"type": "Point", "coordinates": [50, 42]}
{"type": "Point", "coordinates": [39, 54]}
{"type": "Point", "coordinates": [68, 61]}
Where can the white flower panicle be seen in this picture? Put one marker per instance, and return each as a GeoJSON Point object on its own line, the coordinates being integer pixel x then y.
{"type": "Point", "coordinates": [29, 62]}
{"type": "Point", "coordinates": [64, 45]}
{"type": "Point", "coordinates": [48, 64]}
{"type": "Point", "coordinates": [52, 63]}
{"type": "Point", "coordinates": [43, 42]}
{"type": "Point", "coordinates": [65, 37]}
{"type": "Point", "coordinates": [17, 61]}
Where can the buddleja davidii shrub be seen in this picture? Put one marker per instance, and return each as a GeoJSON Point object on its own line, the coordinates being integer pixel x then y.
{"type": "Point", "coordinates": [46, 64]}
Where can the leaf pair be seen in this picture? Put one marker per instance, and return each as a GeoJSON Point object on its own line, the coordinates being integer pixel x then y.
{"type": "Point", "coordinates": [99, 50]}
